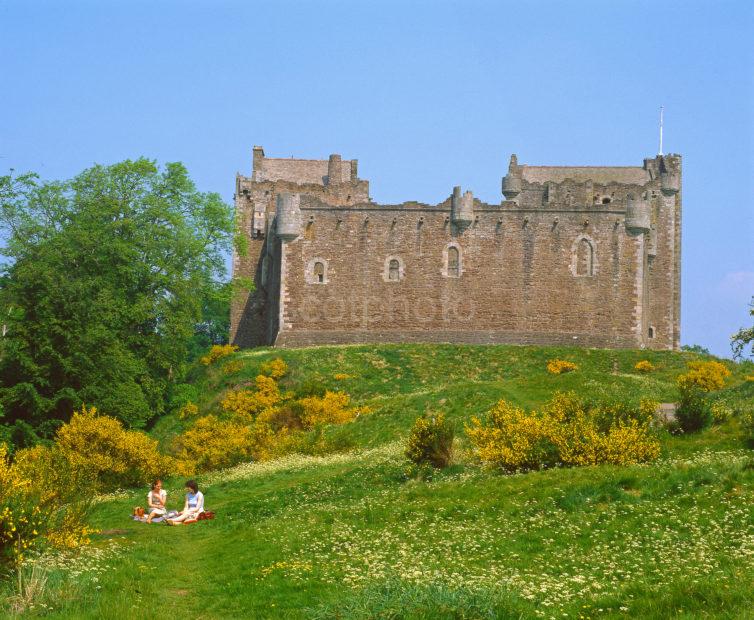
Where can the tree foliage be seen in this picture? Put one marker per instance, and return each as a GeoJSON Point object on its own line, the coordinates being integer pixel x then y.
{"type": "Point", "coordinates": [744, 338]}
{"type": "Point", "coordinates": [105, 279]}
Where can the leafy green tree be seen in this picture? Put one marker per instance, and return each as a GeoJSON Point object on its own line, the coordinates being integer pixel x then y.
{"type": "Point", "coordinates": [103, 285]}
{"type": "Point", "coordinates": [696, 348]}
{"type": "Point", "coordinates": [744, 337]}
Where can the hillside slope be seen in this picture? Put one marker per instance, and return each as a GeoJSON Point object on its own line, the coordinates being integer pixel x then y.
{"type": "Point", "coordinates": [348, 535]}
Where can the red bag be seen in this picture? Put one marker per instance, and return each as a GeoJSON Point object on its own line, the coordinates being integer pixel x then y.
{"type": "Point", "coordinates": [206, 515]}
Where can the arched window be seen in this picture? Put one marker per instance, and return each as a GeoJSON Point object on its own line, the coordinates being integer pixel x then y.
{"type": "Point", "coordinates": [394, 270]}
{"type": "Point", "coordinates": [319, 272]}
{"type": "Point", "coordinates": [454, 262]}
{"type": "Point", "coordinates": [316, 271]}
{"type": "Point", "coordinates": [651, 332]}
{"type": "Point", "coordinates": [583, 259]}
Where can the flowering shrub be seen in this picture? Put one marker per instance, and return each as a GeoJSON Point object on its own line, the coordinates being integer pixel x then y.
{"type": "Point", "coordinates": [189, 410]}
{"type": "Point", "coordinates": [558, 367]}
{"type": "Point", "coordinates": [431, 441]}
{"type": "Point", "coordinates": [112, 455]}
{"type": "Point", "coordinates": [513, 439]}
{"type": "Point", "coordinates": [212, 443]}
{"type": "Point", "coordinates": [566, 431]}
{"type": "Point", "coordinates": [694, 411]}
{"type": "Point", "coordinates": [217, 352]}
{"type": "Point", "coordinates": [341, 376]}
{"type": "Point", "coordinates": [332, 408]}
{"type": "Point", "coordinates": [261, 422]}
{"type": "Point", "coordinates": [275, 368]}
{"type": "Point", "coordinates": [644, 366]}
{"type": "Point", "coordinates": [705, 376]}
{"type": "Point", "coordinates": [43, 499]}
{"type": "Point", "coordinates": [246, 404]}
{"type": "Point", "coordinates": [232, 367]}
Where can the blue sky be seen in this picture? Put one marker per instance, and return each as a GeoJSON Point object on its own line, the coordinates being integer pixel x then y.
{"type": "Point", "coordinates": [425, 95]}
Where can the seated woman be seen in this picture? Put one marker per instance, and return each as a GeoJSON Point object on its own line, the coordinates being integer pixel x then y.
{"type": "Point", "coordinates": [156, 499]}
{"type": "Point", "coordinates": [193, 506]}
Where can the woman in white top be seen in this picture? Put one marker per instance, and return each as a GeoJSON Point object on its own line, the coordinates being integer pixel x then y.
{"type": "Point", "coordinates": [156, 500]}
{"type": "Point", "coordinates": [193, 506]}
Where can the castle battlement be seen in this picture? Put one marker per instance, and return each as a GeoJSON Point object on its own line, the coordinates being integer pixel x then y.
{"type": "Point", "coordinates": [586, 255]}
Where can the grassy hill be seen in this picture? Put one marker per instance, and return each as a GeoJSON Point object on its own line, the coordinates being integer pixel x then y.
{"type": "Point", "coordinates": [349, 535]}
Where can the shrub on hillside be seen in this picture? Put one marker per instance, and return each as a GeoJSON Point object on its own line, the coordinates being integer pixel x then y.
{"type": "Point", "coordinates": [431, 441]}
{"type": "Point", "coordinates": [705, 376]}
{"type": "Point", "coordinates": [43, 499]}
{"type": "Point", "coordinates": [275, 368]}
{"type": "Point", "coordinates": [212, 443]}
{"type": "Point", "coordinates": [644, 366]}
{"type": "Point", "coordinates": [246, 404]}
{"type": "Point", "coordinates": [558, 367]}
{"type": "Point", "coordinates": [232, 367]}
{"type": "Point", "coordinates": [332, 408]}
{"type": "Point", "coordinates": [218, 351]}
{"type": "Point", "coordinates": [694, 411]}
{"type": "Point", "coordinates": [113, 456]}
{"type": "Point", "coordinates": [565, 431]}
{"type": "Point", "coordinates": [189, 410]}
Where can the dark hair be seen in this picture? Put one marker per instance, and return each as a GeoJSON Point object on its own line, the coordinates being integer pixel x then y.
{"type": "Point", "coordinates": [191, 484]}
{"type": "Point", "coordinates": [154, 483]}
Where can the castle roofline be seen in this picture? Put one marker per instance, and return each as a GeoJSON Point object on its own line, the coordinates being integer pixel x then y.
{"type": "Point", "coordinates": [597, 174]}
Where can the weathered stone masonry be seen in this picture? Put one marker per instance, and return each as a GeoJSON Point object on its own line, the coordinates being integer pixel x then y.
{"type": "Point", "coordinates": [572, 255]}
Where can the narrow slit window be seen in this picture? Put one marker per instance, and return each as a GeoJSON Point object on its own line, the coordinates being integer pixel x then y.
{"type": "Point", "coordinates": [584, 259]}
{"type": "Point", "coordinates": [394, 270]}
{"type": "Point", "coordinates": [454, 263]}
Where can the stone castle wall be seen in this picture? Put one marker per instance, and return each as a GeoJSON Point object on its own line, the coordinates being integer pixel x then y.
{"type": "Point", "coordinates": [572, 256]}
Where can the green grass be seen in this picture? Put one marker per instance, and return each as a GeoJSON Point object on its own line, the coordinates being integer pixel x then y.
{"type": "Point", "coordinates": [349, 536]}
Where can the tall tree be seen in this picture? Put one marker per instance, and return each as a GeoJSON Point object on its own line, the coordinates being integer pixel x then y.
{"type": "Point", "coordinates": [103, 284]}
{"type": "Point", "coordinates": [744, 337]}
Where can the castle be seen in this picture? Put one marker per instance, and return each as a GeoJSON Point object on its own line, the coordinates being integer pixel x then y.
{"type": "Point", "coordinates": [583, 255]}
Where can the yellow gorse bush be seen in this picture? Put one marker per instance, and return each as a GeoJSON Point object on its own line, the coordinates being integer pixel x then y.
{"type": "Point", "coordinates": [248, 403]}
{"type": "Point", "coordinates": [212, 443]}
{"type": "Point", "coordinates": [43, 499]}
{"type": "Point", "coordinates": [704, 376]}
{"type": "Point", "coordinates": [113, 456]}
{"type": "Point", "coordinates": [564, 432]}
{"type": "Point", "coordinates": [275, 368]}
{"type": "Point", "coordinates": [558, 367]}
{"type": "Point", "coordinates": [189, 410]}
{"type": "Point", "coordinates": [332, 408]}
{"type": "Point", "coordinates": [232, 367]}
{"type": "Point", "coordinates": [341, 376]}
{"type": "Point", "coordinates": [644, 366]}
{"type": "Point", "coordinates": [258, 422]}
{"type": "Point", "coordinates": [217, 352]}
